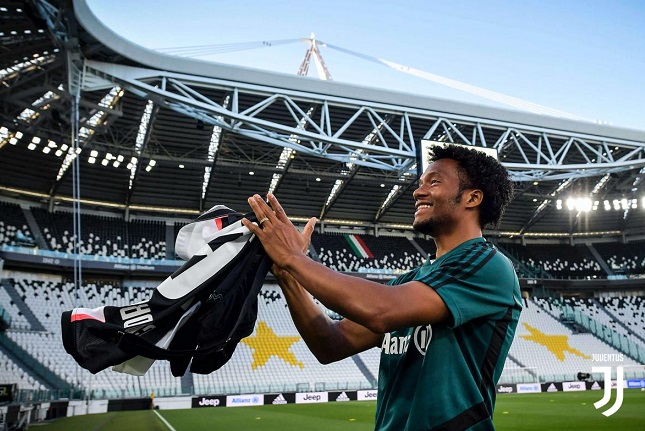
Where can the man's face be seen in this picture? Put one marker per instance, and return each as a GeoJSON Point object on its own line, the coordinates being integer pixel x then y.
{"type": "Point", "coordinates": [437, 198]}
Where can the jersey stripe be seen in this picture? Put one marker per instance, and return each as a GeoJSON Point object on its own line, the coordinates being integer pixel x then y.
{"type": "Point", "coordinates": [435, 276]}
{"type": "Point", "coordinates": [492, 355]}
{"type": "Point", "coordinates": [463, 271]}
{"type": "Point", "coordinates": [465, 419]}
{"type": "Point", "coordinates": [468, 257]}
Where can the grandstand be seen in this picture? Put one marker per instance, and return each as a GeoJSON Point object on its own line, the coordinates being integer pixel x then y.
{"type": "Point", "coordinates": [35, 300]}
{"type": "Point", "coordinates": [581, 270]}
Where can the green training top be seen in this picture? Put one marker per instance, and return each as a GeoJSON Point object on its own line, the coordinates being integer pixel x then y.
{"type": "Point", "coordinates": [443, 377]}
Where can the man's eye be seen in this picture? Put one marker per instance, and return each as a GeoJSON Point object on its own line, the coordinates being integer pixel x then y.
{"type": "Point", "coordinates": [434, 181]}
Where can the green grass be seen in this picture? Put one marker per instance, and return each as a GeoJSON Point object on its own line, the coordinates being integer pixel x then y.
{"type": "Point", "coordinates": [568, 411]}
{"type": "Point", "coordinates": [141, 420]}
{"type": "Point", "coordinates": [352, 416]}
{"type": "Point", "coordinates": [545, 412]}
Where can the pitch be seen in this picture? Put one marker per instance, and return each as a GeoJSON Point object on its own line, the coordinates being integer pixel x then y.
{"type": "Point", "coordinates": [544, 411]}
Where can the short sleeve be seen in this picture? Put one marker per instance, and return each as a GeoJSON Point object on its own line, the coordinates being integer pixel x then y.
{"type": "Point", "coordinates": [474, 283]}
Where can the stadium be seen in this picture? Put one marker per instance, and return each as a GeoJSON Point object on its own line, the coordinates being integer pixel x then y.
{"type": "Point", "coordinates": [108, 149]}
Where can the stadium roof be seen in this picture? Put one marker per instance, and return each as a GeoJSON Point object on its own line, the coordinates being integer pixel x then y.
{"type": "Point", "coordinates": [203, 133]}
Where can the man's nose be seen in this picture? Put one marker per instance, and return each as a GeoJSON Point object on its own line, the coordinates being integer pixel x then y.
{"type": "Point", "coordinates": [418, 192]}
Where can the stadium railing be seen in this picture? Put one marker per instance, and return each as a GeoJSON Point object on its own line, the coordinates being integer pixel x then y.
{"type": "Point", "coordinates": [5, 319]}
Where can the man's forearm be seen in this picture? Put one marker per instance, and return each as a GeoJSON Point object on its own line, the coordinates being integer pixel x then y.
{"type": "Point", "coordinates": [311, 322]}
{"type": "Point", "coordinates": [323, 336]}
{"type": "Point", "coordinates": [359, 300]}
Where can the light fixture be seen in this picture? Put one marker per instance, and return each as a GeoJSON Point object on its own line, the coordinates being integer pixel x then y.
{"type": "Point", "coordinates": [181, 166]}
{"type": "Point", "coordinates": [579, 204]}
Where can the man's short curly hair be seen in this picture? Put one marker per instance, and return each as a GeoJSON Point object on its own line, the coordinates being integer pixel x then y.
{"type": "Point", "coordinates": [479, 171]}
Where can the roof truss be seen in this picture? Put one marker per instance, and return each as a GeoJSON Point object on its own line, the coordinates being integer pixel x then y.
{"type": "Point", "coordinates": [530, 153]}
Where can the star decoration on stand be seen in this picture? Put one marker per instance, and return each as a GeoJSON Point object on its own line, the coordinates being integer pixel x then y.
{"type": "Point", "coordinates": [557, 344]}
{"type": "Point", "coordinates": [265, 343]}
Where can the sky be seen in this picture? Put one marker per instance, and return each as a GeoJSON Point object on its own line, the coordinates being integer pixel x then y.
{"type": "Point", "coordinates": [583, 57]}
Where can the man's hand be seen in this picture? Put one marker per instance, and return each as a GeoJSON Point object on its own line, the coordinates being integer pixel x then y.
{"type": "Point", "coordinates": [283, 274]}
{"type": "Point", "coordinates": [280, 238]}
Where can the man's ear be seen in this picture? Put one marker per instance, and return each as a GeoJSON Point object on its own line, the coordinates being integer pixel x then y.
{"type": "Point", "coordinates": [474, 198]}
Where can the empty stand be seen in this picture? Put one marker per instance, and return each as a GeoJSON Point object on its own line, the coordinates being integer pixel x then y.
{"type": "Point", "coordinates": [48, 300]}
{"type": "Point", "coordinates": [631, 324]}
{"type": "Point", "coordinates": [14, 229]}
{"type": "Point", "coordinates": [275, 359]}
{"type": "Point", "coordinates": [103, 235]}
{"type": "Point", "coordinates": [623, 258]}
{"type": "Point", "coordinates": [561, 260]}
{"type": "Point", "coordinates": [10, 372]}
{"type": "Point", "coordinates": [366, 253]}
{"type": "Point", "coordinates": [559, 353]}
{"type": "Point", "coordinates": [630, 310]}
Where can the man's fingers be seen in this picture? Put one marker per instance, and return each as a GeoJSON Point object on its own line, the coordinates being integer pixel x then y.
{"type": "Point", "coordinates": [309, 228]}
{"type": "Point", "coordinates": [279, 211]}
{"type": "Point", "coordinates": [260, 208]}
{"type": "Point", "coordinates": [307, 231]}
{"type": "Point", "coordinates": [252, 227]}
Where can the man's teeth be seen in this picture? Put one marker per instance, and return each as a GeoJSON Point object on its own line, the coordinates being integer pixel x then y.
{"type": "Point", "coordinates": [423, 206]}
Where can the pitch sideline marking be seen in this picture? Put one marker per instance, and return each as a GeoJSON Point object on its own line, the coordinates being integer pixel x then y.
{"type": "Point", "coordinates": [164, 421]}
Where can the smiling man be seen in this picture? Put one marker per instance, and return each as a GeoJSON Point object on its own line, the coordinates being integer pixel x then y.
{"type": "Point", "coordinates": [445, 328]}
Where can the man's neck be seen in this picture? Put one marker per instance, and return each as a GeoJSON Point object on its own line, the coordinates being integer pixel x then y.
{"type": "Point", "coordinates": [447, 242]}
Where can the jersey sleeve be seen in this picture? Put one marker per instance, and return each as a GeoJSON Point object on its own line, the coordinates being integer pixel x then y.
{"type": "Point", "coordinates": [478, 282]}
